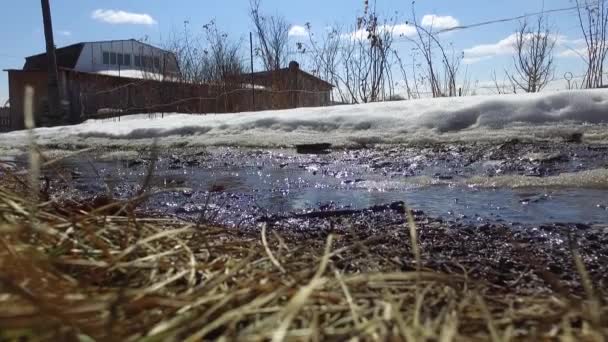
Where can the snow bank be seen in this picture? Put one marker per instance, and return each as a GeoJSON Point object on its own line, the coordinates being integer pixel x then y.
{"type": "Point", "coordinates": [468, 118]}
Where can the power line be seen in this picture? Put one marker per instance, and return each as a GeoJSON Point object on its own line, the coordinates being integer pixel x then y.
{"type": "Point", "coordinates": [504, 20]}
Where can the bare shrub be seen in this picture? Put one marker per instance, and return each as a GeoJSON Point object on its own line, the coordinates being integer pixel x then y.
{"type": "Point", "coordinates": [208, 58]}
{"type": "Point", "coordinates": [441, 76]}
{"type": "Point", "coordinates": [358, 62]}
{"type": "Point", "coordinates": [411, 91]}
{"type": "Point", "coordinates": [273, 37]}
{"type": "Point", "coordinates": [533, 60]}
{"type": "Point", "coordinates": [326, 52]}
{"type": "Point", "coordinates": [188, 49]}
{"type": "Point", "coordinates": [593, 20]}
{"type": "Point", "coordinates": [503, 87]}
{"type": "Point", "coordinates": [221, 58]}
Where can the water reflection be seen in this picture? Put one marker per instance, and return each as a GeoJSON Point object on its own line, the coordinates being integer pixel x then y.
{"type": "Point", "coordinates": [290, 188]}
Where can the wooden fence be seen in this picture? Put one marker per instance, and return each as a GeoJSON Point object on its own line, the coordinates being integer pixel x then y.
{"type": "Point", "coordinates": [99, 96]}
{"type": "Point", "coordinates": [154, 97]}
{"type": "Point", "coordinates": [87, 95]}
{"type": "Point", "coordinates": [5, 119]}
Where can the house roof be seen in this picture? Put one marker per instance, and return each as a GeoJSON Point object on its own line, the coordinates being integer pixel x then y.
{"type": "Point", "coordinates": [67, 57]}
{"type": "Point", "coordinates": [317, 79]}
{"type": "Point", "coordinates": [125, 40]}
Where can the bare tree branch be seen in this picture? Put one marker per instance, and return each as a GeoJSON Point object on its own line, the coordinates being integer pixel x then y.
{"type": "Point", "coordinates": [593, 21]}
{"type": "Point", "coordinates": [533, 60]}
{"type": "Point", "coordinates": [426, 42]}
{"type": "Point", "coordinates": [273, 37]}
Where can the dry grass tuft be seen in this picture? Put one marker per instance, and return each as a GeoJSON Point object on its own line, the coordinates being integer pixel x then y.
{"type": "Point", "coordinates": [74, 274]}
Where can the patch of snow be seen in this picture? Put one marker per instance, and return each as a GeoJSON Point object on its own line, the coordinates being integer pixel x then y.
{"type": "Point", "coordinates": [593, 179]}
{"type": "Point", "coordinates": [109, 111]}
{"type": "Point", "coordinates": [119, 155]}
{"type": "Point", "coordinates": [589, 179]}
{"type": "Point", "coordinates": [135, 73]}
{"type": "Point", "coordinates": [534, 116]}
{"type": "Point", "coordinates": [254, 86]}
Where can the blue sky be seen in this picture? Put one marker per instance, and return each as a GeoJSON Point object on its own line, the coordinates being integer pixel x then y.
{"type": "Point", "coordinates": [75, 21]}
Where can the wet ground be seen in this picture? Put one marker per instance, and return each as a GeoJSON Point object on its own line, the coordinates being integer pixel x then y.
{"type": "Point", "coordinates": [509, 213]}
{"type": "Point", "coordinates": [513, 183]}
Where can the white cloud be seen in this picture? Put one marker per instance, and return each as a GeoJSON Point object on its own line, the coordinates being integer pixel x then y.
{"type": "Point", "coordinates": [485, 51]}
{"type": "Point", "coordinates": [571, 48]}
{"type": "Point", "coordinates": [360, 34]}
{"type": "Point", "coordinates": [398, 30]}
{"type": "Point", "coordinates": [298, 31]}
{"type": "Point", "coordinates": [473, 60]}
{"type": "Point", "coordinates": [408, 30]}
{"type": "Point", "coordinates": [65, 33]}
{"type": "Point", "coordinates": [439, 22]}
{"type": "Point", "coordinates": [122, 17]}
{"type": "Point", "coordinates": [403, 30]}
{"type": "Point", "coordinates": [505, 47]}
{"type": "Point", "coordinates": [572, 52]}
{"type": "Point", "coordinates": [564, 41]}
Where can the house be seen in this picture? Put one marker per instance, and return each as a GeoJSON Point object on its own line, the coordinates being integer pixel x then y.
{"type": "Point", "coordinates": [86, 66]}
{"type": "Point", "coordinates": [113, 78]}
{"type": "Point", "coordinates": [311, 91]}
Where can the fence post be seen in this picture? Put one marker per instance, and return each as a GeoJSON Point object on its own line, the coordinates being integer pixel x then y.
{"type": "Point", "coordinates": [81, 101]}
{"type": "Point", "coordinates": [293, 83]}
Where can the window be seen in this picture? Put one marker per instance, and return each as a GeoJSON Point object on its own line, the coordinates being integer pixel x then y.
{"type": "Point", "coordinates": [127, 60]}
{"type": "Point", "coordinates": [137, 60]}
{"type": "Point", "coordinates": [157, 63]}
{"type": "Point", "coordinates": [106, 58]}
{"type": "Point", "coordinates": [113, 58]}
{"type": "Point", "coordinates": [120, 59]}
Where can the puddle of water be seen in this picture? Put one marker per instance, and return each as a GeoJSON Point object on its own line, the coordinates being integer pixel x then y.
{"type": "Point", "coordinates": [295, 188]}
{"type": "Point", "coordinates": [566, 205]}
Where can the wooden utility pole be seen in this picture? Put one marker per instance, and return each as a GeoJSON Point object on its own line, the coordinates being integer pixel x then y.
{"type": "Point", "coordinates": [54, 100]}
{"type": "Point", "coordinates": [252, 85]}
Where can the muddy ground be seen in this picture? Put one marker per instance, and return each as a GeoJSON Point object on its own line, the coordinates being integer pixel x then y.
{"type": "Point", "coordinates": [524, 257]}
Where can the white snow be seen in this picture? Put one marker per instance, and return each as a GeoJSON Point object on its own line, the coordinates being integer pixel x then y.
{"type": "Point", "coordinates": [537, 116]}
{"type": "Point", "coordinates": [135, 73]}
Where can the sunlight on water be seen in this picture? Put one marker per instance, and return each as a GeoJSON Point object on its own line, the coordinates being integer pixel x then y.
{"type": "Point", "coordinates": [572, 197]}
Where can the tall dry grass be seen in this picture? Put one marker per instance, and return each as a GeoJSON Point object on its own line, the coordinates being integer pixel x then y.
{"type": "Point", "coordinates": [69, 273]}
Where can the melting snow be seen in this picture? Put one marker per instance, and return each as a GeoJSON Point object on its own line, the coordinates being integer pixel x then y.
{"type": "Point", "coordinates": [532, 116]}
